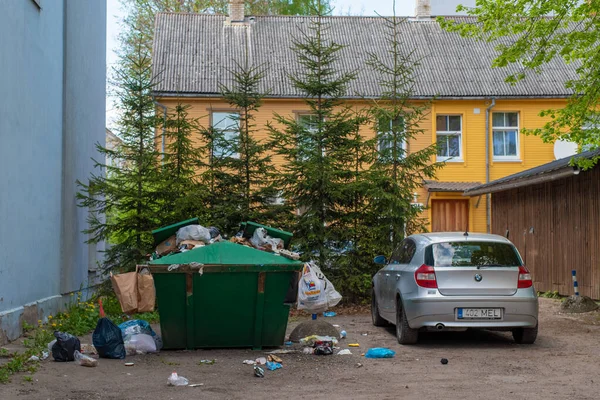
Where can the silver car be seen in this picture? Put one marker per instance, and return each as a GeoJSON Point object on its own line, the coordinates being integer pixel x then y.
{"type": "Point", "coordinates": [455, 281]}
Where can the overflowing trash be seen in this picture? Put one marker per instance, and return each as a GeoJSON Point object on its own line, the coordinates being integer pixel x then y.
{"type": "Point", "coordinates": [107, 338]}
{"type": "Point", "coordinates": [85, 361]}
{"type": "Point", "coordinates": [64, 347]}
{"type": "Point", "coordinates": [176, 380]}
{"type": "Point", "coordinates": [380, 352]}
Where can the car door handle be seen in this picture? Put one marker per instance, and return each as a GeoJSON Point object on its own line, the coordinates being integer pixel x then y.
{"type": "Point", "coordinates": [387, 275]}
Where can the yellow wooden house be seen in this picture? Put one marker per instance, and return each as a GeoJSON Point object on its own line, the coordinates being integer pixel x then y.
{"type": "Point", "coordinates": [475, 117]}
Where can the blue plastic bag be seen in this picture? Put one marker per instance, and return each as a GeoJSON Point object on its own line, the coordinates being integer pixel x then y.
{"type": "Point", "coordinates": [329, 314]}
{"type": "Point", "coordinates": [272, 366]}
{"type": "Point", "coordinates": [380, 352]}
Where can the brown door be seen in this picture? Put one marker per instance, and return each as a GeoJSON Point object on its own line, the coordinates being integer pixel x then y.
{"type": "Point", "coordinates": [449, 215]}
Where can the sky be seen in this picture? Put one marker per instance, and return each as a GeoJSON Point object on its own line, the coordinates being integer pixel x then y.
{"type": "Point", "coordinates": [115, 15]}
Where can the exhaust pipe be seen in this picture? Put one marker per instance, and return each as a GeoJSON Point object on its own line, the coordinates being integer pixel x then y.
{"type": "Point", "coordinates": [439, 327]}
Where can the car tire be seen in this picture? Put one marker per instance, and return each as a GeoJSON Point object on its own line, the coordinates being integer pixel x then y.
{"type": "Point", "coordinates": [525, 335]}
{"type": "Point", "coordinates": [377, 319]}
{"type": "Point", "coordinates": [404, 333]}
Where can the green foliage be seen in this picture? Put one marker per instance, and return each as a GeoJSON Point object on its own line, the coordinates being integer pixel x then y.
{"type": "Point", "coordinates": [127, 192]}
{"type": "Point", "coordinates": [535, 40]}
{"type": "Point", "coordinates": [550, 295]}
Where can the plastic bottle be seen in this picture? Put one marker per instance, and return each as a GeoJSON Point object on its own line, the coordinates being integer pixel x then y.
{"type": "Point", "coordinates": [176, 380]}
{"type": "Point", "coordinates": [343, 334]}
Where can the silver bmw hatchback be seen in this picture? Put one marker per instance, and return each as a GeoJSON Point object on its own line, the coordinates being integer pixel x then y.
{"type": "Point", "coordinates": [455, 281]}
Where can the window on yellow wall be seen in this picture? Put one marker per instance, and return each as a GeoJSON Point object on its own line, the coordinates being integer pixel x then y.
{"type": "Point", "coordinates": [386, 128]}
{"type": "Point", "coordinates": [449, 137]}
{"type": "Point", "coordinates": [226, 123]}
{"type": "Point", "coordinates": [505, 133]}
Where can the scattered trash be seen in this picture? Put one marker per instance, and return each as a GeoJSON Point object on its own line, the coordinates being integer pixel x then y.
{"type": "Point", "coordinates": [344, 352]}
{"type": "Point", "coordinates": [274, 358]}
{"type": "Point", "coordinates": [50, 346]}
{"type": "Point", "coordinates": [444, 361]}
{"type": "Point", "coordinates": [353, 345]}
{"type": "Point", "coordinates": [129, 364]}
{"type": "Point", "coordinates": [343, 334]}
{"type": "Point", "coordinates": [358, 365]}
{"type": "Point", "coordinates": [311, 340]}
{"type": "Point", "coordinates": [176, 380]}
{"type": "Point", "coordinates": [315, 291]}
{"type": "Point", "coordinates": [206, 362]}
{"type": "Point", "coordinates": [380, 352]}
{"type": "Point", "coordinates": [289, 343]}
{"type": "Point", "coordinates": [249, 362]}
{"type": "Point", "coordinates": [262, 241]}
{"type": "Point", "coordinates": [107, 338]}
{"type": "Point", "coordinates": [193, 232]}
{"type": "Point", "coordinates": [167, 246]}
{"type": "Point", "coordinates": [196, 384]}
{"type": "Point", "coordinates": [308, 350]}
{"type": "Point", "coordinates": [364, 334]}
{"type": "Point", "coordinates": [44, 355]}
{"type": "Point", "coordinates": [324, 347]}
{"type": "Point", "coordinates": [140, 344]}
{"type": "Point", "coordinates": [272, 366]}
{"type": "Point", "coordinates": [259, 372]}
{"type": "Point", "coordinates": [89, 349]}
{"type": "Point", "coordinates": [261, 361]}
{"type": "Point", "coordinates": [85, 361]}
{"type": "Point", "coordinates": [329, 314]}
{"type": "Point", "coordinates": [289, 254]}
{"type": "Point", "coordinates": [34, 358]}
{"type": "Point", "coordinates": [336, 326]}
{"type": "Point", "coordinates": [139, 326]}
{"type": "Point", "coordinates": [64, 347]}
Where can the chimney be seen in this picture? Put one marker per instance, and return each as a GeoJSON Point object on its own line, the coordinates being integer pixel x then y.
{"type": "Point", "coordinates": [236, 10]}
{"type": "Point", "coordinates": [423, 9]}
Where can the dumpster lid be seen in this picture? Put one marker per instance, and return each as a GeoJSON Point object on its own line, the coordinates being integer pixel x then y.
{"type": "Point", "coordinates": [162, 234]}
{"type": "Point", "coordinates": [226, 253]}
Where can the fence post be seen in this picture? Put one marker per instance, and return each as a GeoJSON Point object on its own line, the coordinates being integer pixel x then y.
{"type": "Point", "coordinates": [575, 285]}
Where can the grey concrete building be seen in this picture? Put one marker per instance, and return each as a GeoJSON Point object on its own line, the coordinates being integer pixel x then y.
{"type": "Point", "coordinates": [52, 112]}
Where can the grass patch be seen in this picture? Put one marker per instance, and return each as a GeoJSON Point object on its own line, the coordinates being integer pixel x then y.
{"type": "Point", "coordinates": [551, 295]}
{"type": "Point", "coordinates": [162, 360]}
{"type": "Point", "coordinates": [28, 378]}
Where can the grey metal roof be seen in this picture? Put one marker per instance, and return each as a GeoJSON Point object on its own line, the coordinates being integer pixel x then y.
{"type": "Point", "coordinates": [438, 186]}
{"type": "Point", "coordinates": [545, 172]}
{"type": "Point", "coordinates": [193, 53]}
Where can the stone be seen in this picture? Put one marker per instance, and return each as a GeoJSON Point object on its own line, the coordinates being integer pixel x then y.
{"type": "Point", "coordinates": [578, 304]}
{"type": "Point", "coordinates": [313, 327]}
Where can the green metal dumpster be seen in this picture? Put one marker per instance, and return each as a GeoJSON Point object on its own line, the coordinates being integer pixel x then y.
{"type": "Point", "coordinates": [223, 295]}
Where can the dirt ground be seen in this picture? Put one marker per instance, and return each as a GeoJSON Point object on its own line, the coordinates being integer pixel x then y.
{"type": "Point", "coordinates": [562, 364]}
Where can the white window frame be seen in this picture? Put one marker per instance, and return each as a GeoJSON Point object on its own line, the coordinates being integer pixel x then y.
{"type": "Point", "coordinates": [380, 137]}
{"type": "Point", "coordinates": [450, 133]}
{"type": "Point", "coordinates": [505, 129]}
{"type": "Point", "coordinates": [235, 131]}
{"type": "Point", "coordinates": [301, 115]}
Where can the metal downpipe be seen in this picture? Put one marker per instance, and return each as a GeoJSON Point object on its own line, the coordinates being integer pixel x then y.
{"type": "Point", "coordinates": [488, 206]}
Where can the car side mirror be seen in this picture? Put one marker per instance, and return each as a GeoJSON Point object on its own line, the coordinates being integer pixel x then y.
{"type": "Point", "coordinates": [380, 260]}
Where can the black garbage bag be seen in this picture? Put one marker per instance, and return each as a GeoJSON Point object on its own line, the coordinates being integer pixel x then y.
{"type": "Point", "coordinates": [108, 340]}
{"type": "Point", "coordinates": [65, 346]}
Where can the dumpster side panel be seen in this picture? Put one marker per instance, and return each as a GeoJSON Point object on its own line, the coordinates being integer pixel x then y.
{"type": "Point", "coordinates": [224, 306]}
{"type": "Point", "coordinates": [171, 301]}
{"type": "Point", "coordinates": [275, 312]}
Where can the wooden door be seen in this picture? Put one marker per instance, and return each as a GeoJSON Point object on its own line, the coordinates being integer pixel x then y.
{"type": "Point", "coordinates": [449, 215]}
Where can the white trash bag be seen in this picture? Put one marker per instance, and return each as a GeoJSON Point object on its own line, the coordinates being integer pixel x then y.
{"type": "Point", "coordinates": [193, 232]}
{"type": "Point", "coordinates": [332, 295]}
{"type": "Point", "coordinates": [311, 296]}
{"type": "Point", "coordinates": [140, 343]}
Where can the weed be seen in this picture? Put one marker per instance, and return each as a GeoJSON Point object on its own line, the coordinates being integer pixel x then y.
{"type": "Point", "coordinates": [28, 378]}
{"type": "Point", "coordinates": [550, 295]}
{"type": "Point", "coordinates": [162, 360]}
{"type": "Point", "coordinates": [4, 352]}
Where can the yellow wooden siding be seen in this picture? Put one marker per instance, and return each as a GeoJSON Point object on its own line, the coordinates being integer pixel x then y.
{"type": "Point", "coordinates": [533, 151]}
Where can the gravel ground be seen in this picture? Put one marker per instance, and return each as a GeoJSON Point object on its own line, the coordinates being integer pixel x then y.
{"type": "Point", "coordinates": [562, 364]}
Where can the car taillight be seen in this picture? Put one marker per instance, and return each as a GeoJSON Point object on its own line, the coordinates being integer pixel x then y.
{"type": "Point", "coordinates": [425, 277]}
{"type": "Point", "coordinates": [524, 278]}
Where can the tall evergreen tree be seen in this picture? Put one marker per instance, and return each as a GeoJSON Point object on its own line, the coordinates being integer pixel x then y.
{"type": "Point", "coordinates": [398, 171]}
{"type": "Point", "coordinates": [126, 192]}
{"type": "Point", "coordinates": [317, 146]}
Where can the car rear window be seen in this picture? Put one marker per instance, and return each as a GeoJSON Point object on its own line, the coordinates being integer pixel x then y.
{"type": "Point", "coordinates": [457, 254]}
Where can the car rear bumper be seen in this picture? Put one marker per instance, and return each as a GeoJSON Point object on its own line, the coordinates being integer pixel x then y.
{"type": "Point", "coordinates": [519, 311]}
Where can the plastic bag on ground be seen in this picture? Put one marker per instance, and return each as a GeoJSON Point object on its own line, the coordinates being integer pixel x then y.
{"type": "Point", "coordinates": [176, 380]}
{"type": "Point", "coordinates": [193, 232]}
{"type": "Point", "coordinates": [311, 296]}
{"type": "Point", "coordinates": [313, 339]}
{"type": "Point", "coordinates": [65, 346]}
{"type": "Point", "coordinates": [137, 326]}
{"type": "Point", "coordinates": [140, 343]}
{"type": "Point", "coordinates": [380, 352]}
{"type": "Point", "coordinates": [85, 361]}
{"type": "Point", "coordinates": [272, 366]}
{"type": "Point", "coordinates": [108, 340]}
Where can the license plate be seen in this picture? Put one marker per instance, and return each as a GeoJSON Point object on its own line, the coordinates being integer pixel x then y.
{"type": "Point", "coordinates": [479, 313]}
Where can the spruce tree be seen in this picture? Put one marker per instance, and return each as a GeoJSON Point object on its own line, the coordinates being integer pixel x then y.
{"type": "Point", "coordinates": [123, 197]}
{"type": "Point", "coordinates": [398, 171]}
{"type": "Point", "coordinates": [316, 147]}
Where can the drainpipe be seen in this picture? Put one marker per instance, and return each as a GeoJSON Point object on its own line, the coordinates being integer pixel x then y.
{"type": "Point", "coordinates": [488, 206]}
{"type": "Point", "coordinates": [164, 126]}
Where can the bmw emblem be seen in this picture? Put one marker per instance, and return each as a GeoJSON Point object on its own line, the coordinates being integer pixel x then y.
{"type": "Point", "coordinates": [478, 278]}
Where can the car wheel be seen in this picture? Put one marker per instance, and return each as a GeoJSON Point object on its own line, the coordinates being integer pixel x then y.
{"type": "Point", "coordinates": [377, 319]}
{"type": "Point", "coordinates": [404, 333]}
{"type": "Point", "coordinates": [525, 335]}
